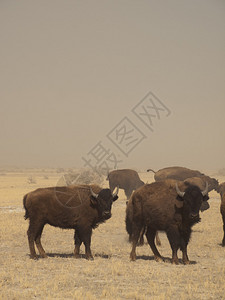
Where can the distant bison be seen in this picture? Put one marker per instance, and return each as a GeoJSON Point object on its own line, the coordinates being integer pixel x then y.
{"type": "Point", "coordinates": [80, 207]}
{"type": "Point", "coordinates": [181, 174]}
{"type": "Point", "coordinates": [126, 179]}
{"type": "Point", "coordinates": [221, 190]}
{"type": "Point", "coordinates": [158, 207]}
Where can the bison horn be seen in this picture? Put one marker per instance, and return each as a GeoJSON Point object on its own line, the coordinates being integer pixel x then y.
{"type": "Point", "coordinates": [205, 192]}
{"type": "Point", "coordinates": [93, 194]}
{"type": "Point", "coordinates": [181, 194]}
{"type": "Point", "coordinates": [116, 192]}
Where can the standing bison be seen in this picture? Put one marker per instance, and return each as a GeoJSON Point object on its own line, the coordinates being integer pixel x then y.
{"type": "Point", "coordinates": [157, 206]}
{"type": "Point", "coordinates": [126, 179]}
{"type": "Point", "coordinates": [221, 190]}
{"type": "Point", "coordinates": [80, 207]}
{"type": "Point", "coordinates": [177, 173]}
{"type": "Point", "coordinates": [181, 174]}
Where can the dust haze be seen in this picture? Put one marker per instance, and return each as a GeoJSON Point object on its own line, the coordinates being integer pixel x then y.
{"type": "Point", "coordinates": [73, 72]}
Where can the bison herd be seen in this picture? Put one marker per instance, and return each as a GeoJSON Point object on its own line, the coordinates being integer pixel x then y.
{"type": "Point", "coordinates": [170, 204]}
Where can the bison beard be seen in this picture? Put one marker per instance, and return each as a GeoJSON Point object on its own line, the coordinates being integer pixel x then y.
{"type": "Point", "coordinates": [157, 207]}
{"type": "Point", "coordinates": [81, 208]}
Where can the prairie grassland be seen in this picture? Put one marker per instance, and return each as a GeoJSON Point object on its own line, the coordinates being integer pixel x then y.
{"type": "Point", "coordinates": [111, 275]}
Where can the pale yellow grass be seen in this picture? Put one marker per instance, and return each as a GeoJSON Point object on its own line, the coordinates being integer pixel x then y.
{"type": "Point", "coordinates": [111, 275]}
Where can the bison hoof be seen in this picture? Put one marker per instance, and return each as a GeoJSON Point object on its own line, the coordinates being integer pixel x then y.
{"type": "Point", "coordinates": [158, 259]}
{"type": "Point", "coordinates": [186, 262]}
{"type": "Point", "coordinates": [35, 257]}
{"type": "Point", "coordinates": [133, 257]}
{"type": "Point", "coordinates": [43, 255]}
{"type": "Point", "coordinates": [90, 258]}
{"type": "Point", "coordinates": [175, 262]}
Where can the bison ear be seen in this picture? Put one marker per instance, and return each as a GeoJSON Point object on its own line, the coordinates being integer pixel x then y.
{"type": "Point", "coordinates": [94, 201]}
{"type": "Point", "coordinates": [206, 197]}
{"type": "Point", "coordinates": [115, 198]}
{"type": "Point", "coordinates": [218, 189]}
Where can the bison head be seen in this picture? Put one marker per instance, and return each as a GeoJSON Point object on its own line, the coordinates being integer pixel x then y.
{"type": "Point", "coordinates": [221, 189]}
{"type": "Point", "coordinates": [193, 199]}
{"type": "Point", "coordinates": [103, 201]}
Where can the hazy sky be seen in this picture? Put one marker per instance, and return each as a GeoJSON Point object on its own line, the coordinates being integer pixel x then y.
{"type": "Point", "coordinates": [74, 76]}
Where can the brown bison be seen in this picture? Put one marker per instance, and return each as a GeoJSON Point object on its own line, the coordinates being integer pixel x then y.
{"type": "Point", "coordinates": [221, 190]}
{"type": "Point", "coordinates": [80, 207]}
{"type": "Point", "coordinates": [158, 207]}
{"type": "Point", "coordinates": [126, 179]}
{"type": "Point", "coordinates": [181, 174]}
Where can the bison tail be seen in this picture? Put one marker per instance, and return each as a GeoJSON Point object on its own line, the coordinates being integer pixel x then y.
{"type": "Point", "coordinates": [129, 231]}
{"type": "Point", "coordinates": [129, 227]}
{"type": "Point", "coordinates": [150, 170]}
{"type": "Point", "coordinates": [141, 237]}
{"type": "Point", "coordinates": [26, 216]}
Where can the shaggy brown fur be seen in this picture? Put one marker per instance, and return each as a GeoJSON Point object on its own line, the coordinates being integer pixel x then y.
{"type": "Point", "coordinates": [177, 173]}
{"type": "Point", "coordinates": [185, 174]}
{"type": "Point", "coordinates": [157, 206]}
{"type": "Point", "coordinates": [126, 179]}
{"type": "Point", "coordinates": [201, 182]}
{"type": "Point", "coordinates": [221, 190]}
{"type": "Point", "coordinates": [67, 207]}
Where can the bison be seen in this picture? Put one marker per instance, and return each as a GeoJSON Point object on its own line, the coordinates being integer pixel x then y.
{"type": "Point", "coordinates": [159, 207]}
{"type": "Point", "coordinates": [79, 207]}
{"type": "Point", "coordinates": [221, 190]}
{"type": "Point", "coordinates": [177, 173]}
{"type": "Point", "coordinates": [126, 179]}
{"type": "Point", "coordinates": [181, 174]}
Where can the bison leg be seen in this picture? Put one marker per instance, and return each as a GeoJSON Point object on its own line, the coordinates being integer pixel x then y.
{"type": "Point", "coordinates": [175, 257]}
{"type": "Point", "coordinates": [185, 256]}
{"type": "Point", "coordinates": [223, 241]}
{"type": "Point", "coordinates": [78, 243]}
{"type": "Point", "coordinates": [158, 242]}
{"type": "Point", "coordinates": [136, 232]}
{"type": "Point", "coordinates": [85, 237]}
{"type": "Point", "coordinates": [87, 243]}
{"type": "Point", "coordinates": [183, 247]}
{"type": "Point", "coordinates": [40, 247]}
{"type": "Point", "coordinates": [150, 234]}
{"type": "Point", "coordinates": [38, 243]}
{"type": "Point", "coordinates": [128, 193]}
{"type": "Point", "coordinates": [174, 238]}
{"type": "Point", "coordinates": [30, 234]}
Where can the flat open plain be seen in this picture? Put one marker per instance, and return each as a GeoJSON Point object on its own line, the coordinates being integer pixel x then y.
{"type": "Point", "coordinates": [111, 275]}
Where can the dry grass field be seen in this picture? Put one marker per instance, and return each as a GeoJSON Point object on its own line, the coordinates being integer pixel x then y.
{"type": "Point", "coordinates": [111, 275]}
